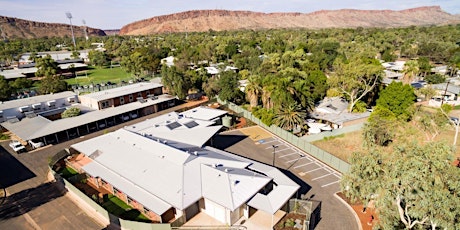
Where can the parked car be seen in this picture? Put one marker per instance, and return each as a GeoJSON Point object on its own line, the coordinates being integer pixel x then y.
{"type": "Point", "coordinates": [454, 120]}
{"type": "Point", "coordinates": [36, 145]}
{"type": "Point", "coordinates": [17, 146]}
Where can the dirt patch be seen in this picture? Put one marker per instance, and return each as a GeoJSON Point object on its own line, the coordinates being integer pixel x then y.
{"type": "Point", "coordinates": [256, 133]}
{"type": "Point", "coordinates": [368, 219]}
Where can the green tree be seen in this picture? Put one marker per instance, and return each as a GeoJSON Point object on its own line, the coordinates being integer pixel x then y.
{"type": "Point", "coordinates": [253, 90]}
{"type": "Point", "coordinates": [98, 58]}
{"type": "Point", "coordinates": [21, 83]}
{"type": "Point", "coordinates": [5, 89]}
{"type": "Point", "coordinates": [397, 98]}
{"type": "Point", "coordinates": [290, 116]}
{"type": "Point", "coordinates": [229, 90]}
{"type": "Point", "coordinates": [356, 77]}
{"type": "Point", "coordinates": [175, 82]}
{"type": "Point", "coordinates": [47, 67]}
{"type": "Point", "coordinates": [413, 186]}
{"type": "Point", "coordinates": [52, 84]}
{"type": "Point", "coordinates": [435, 79]}
{"type": "Point", "coordinates": [380, 128]}
{"type": "Point", "coordinates": [71, 112]}
{"type": "Point", "coordinates": [411, 70]}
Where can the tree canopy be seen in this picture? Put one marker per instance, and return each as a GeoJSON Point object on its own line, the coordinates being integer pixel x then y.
{"type": "Point", "coordinates": [413, 186]}
{"type": "Point", "coordinates": [397, 98]}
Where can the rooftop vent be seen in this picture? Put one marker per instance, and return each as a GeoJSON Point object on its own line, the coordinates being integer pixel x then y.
{"type": "Point", "coordinates": [195, 153]}
{"type": "Point", "coordinates": [226, 170]}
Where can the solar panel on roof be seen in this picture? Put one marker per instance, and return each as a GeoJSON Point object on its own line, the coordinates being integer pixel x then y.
{"type": "Point", "coordinates": [173, 125]}
{"type": "Point", "coordinates": [191, 124]}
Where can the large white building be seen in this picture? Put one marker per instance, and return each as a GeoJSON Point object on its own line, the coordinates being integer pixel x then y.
{"type": "Point", "coordinates": [163, 167]}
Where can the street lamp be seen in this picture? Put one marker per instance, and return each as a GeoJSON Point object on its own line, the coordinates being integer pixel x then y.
{"type": "Point", "coordinates": [274, 148]}
{"type": "Point", "coordinates": [69, 16]}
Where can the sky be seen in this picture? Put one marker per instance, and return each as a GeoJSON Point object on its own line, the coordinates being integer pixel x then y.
{"type": "Point", "coordinates": [113, 14]}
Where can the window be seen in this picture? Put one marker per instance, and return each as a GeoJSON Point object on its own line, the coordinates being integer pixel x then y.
{"type": "Point", "coordinates": [139, 94]}
{"type": "Point", "coordinates": [103, 182]}
{"type": "Point", "coordinates": [131, 98]}
{"type": "Point", "coordinates": [105, 104]}
{"type": "Point", "coordinates": [130, 200]}
{"type": "Point", "coordinates": [146, 210]}
{"type": "Point", "coordinates": [115, 190]}
{"type": "Point", "coordinates": [122, 100]}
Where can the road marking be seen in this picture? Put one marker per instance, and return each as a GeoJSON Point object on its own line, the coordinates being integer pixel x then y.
{"type": "Point", "coordinates": [298, 166]}
{"type": "Point", "coordinates": [297, 159]}
{"type": "Point", "coordinates": [286, 155]}
{"type": "Point", "coordinates": [316, 169]}
{"type": "Point", "coordinates": [321, 176]}
{"type": "Point", "coordinates": [329, 184]}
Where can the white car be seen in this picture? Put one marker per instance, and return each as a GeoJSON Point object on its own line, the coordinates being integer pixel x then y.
{"type": "Point", "coordinates": [36, 145]}
{"type": "Point", "coordinates": [17, 146]}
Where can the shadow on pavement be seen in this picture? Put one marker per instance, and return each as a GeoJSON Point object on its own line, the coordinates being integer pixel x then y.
{"type": "Point", "coordinates": [29, 199]}
{"type": "Point", "coordinates": [17, 172]}
{"type": "Point", "coordinates": [225, 141]}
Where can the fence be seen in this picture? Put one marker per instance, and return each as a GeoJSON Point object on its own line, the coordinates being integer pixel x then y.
{"type": "Point", "coordinates": [335, 132]}
{"type": "Point", "coordinates": [300, 143]}
{"type": "Point", "coordinates": [110, 218]}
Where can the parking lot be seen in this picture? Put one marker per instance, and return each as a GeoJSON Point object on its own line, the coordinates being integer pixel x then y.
{"type": "Point", "coordinates": [273, 150]}
{"type": "Point", "coordinates": [289, 157]}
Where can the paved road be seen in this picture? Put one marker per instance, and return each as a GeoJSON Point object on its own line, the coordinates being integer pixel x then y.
{"type": "Point", "coordinates": [320, 181]}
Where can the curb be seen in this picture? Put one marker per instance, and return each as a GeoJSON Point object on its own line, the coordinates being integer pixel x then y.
{"type": "Point", "coordinates": [360, 227]}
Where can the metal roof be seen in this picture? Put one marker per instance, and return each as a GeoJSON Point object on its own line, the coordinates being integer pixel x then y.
{"type": "Point", "coordinates": [121, 91]}
{"type": "Point", "coordinates": [72, 122]}
{"type": "Point", "coordinates": [175, 127]}
{"type": "Point", "coordinates": [146, 199]}
{"type": "Point", "coordinates": [180, 174]}
{"type": "Point", "coordinates": [203, 113]}
{"type": "Point", "coordinates": [35, 100]}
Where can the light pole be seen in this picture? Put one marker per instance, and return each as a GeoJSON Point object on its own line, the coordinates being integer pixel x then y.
{"type": "Point", "coordinates": [69, 16]}
{"type": "Point", "coordinates": [274, 149]}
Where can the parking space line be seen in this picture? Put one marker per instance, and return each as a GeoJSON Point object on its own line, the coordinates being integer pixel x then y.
{"type": "Point", "coordinates": [316, 169]}
{"type": "Point", "coordinates": [289, 154]}
{"type": "Point", "coordinates": [298, 166]}
{"type": "Point", "coordinates": [325, 175]}
{"type": "Point", "coordinates": [290, 161]}
{"type": "Point", "coordinates": [266, 142]}
{"type": "Point", "coordinates": [329, 184]}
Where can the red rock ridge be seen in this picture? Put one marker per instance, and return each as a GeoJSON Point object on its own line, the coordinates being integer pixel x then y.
{"type": "Point", "coordinates": [218, 20]}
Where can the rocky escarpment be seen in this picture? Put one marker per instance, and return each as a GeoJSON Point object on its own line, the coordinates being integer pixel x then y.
{"type": "Point", "coordinates": [218, 20]}
{"type": "Point", "coordinates": [20, 28]}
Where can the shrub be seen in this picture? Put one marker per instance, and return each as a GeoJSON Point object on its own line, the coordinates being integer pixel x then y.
{"type": "Point", "coordinates": [71, 112]}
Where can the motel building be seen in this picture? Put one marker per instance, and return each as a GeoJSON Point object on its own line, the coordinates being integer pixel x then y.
{"type": "Point", "coordinates": [164, 168]}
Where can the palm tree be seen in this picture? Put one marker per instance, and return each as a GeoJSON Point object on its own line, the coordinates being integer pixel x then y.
{"type": "Point", "coordinates": [253, 90]}
{"type": "Point", "coordinates": [290, 116]}
{"type": "Point", "coordinates": [411, 70]}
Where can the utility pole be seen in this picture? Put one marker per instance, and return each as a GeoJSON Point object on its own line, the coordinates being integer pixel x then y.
{"type": "Point", "coordinates": [69, 16]}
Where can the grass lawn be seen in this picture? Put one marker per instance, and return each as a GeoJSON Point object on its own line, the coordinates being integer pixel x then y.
{"type": "Point", "coordinates": [119, 208]}
{"type": "Point", "coordinates": [100, 74]}
{"type": "Point", "coordinates": [67, 172]}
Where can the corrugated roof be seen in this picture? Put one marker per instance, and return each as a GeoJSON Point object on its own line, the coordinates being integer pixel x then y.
{"type": "Point", "coordinates": [230, 187]}
{"type": "Point", "coordinates": [121, 91]}
{"type": "Point", "coordinates": [203, 113]}
{"type": "Point", "coordinates": [180, 174]}
{"type": "Point", "coordinates": [34, 100]}
{"type": "Point", "coordinates": [174, 127]}
{"type": "Point", "coordinates": [72, 122]}
{"type": "Point", "coordinates": [146, 199]}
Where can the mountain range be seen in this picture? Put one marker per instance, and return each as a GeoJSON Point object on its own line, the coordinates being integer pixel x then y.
{"type": "Point", "coordinates": [221, 20]}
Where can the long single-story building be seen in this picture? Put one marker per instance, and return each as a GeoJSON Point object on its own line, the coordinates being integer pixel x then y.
{"type": "Point", "coordinates": [38, 118]}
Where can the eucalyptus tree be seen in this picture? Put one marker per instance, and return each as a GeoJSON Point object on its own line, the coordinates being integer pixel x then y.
{"type": "Point", "coordinates": [356, 73]}
{"type": "Point", "coordinates": [415, 185]}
